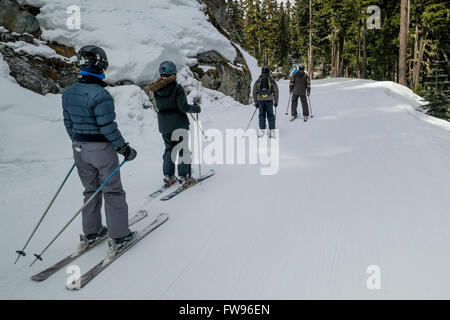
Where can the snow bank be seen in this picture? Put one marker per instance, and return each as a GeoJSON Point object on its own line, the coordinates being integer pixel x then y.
{"type": "Point", "coordinates": [402, 94]}
{"type": "Point", "coordinates": [149, 32]}
{"type": "Point", "coordinates": [252, 64]}
{"type": "Point", "coordinates": [37, 49]}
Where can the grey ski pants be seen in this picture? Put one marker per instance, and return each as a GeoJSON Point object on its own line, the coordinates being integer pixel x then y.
{"type": "Point", "coordinates": [95, 162]}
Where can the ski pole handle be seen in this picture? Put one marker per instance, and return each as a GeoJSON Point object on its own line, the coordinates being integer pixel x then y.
{"type": "Point", "coordinates": [21, 252]}
{"type": "Point", "coordinates": [39, 256]}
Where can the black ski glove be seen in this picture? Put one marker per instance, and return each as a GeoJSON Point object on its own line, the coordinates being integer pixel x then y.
{"type": "Point", "coordinates": [197, 109]}
{"type": "Point", "coordinates": [128, 152]}
{"type": "Point", "coordinates": [276, 104]}
{"type": "Point", "coordinates": [256, 105]}
{"type": "Point", "coordinates": [308, 91]}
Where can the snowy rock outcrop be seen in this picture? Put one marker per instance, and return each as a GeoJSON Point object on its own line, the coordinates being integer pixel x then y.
{"type": "Point", "coordinates": [37, 73]}
{"type": "Point", "coordinates": [216, 73]}
{"type": "Point", "coordinates": [217, 9]}
{"type": "Point", "coordinates": [35, 65]}
{"type": "Point", "coordinates": [14, 18]}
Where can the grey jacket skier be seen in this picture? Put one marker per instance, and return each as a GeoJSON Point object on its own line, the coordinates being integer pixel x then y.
{"type": "Point", "coordinates": [89, 118]}
{"type": "Point", "coordinates": [299, 87]}
{"type": "Point", "coordinates": [265, 96]}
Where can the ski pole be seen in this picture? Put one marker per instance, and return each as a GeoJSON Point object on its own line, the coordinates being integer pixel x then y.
{"type": "Point", "coordinates": [39, 256]}
{"type": "Point", "coordinates": [251, 120]}
{"type": "Point", "coordinates": [199, 152]}
{"type": "Point", "coordinates": [310, 107]}
{"type": "Point", "coordinates": [289, 102]}
{"type": "Point", "coordinates": [21, 252]}
{"type": "Point", "coordinates": [198, 126]}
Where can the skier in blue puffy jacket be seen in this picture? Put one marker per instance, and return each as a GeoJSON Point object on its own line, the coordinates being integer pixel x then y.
{"type": "Point", "coordinates": [89, 117]}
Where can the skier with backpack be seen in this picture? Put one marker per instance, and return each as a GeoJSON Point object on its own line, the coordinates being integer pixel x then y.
{"type": "Point", "coordinates": [265, 97]}
{"type": "Point", "coordinates": [171, 104]}
{"type": "Point", "coordinates": [89, 118]}
{"type": "Point", "coordinates": [299, 87]}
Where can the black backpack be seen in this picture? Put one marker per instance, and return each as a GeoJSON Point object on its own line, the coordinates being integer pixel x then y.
{"type": "Point", "coordinates": [265, 87]}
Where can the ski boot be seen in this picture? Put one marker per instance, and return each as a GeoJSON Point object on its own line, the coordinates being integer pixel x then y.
{"type": "Point", "coordinates": [115, 245]}
{"type": "Point", "coordinates": [186, 181]}
{"type": "Point", "coordinates": [261, 133]}
{"type": "Point", "coordinates": [89, 239]}
{"type": "Point", "coordinates": [272, 133]}
{"type": "Point", "coordinates": [305, 119]}
{"type": "Point", "coordinates": [169, 180]}
{"type": "Point", "coordinates": [293, 118]}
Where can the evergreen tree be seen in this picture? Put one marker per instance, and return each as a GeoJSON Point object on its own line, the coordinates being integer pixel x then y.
{"type": "Point", "coordinates": [282, 40]}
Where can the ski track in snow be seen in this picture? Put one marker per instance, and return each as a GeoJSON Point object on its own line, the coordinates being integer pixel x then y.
{"type": "Point", "coordinates": [365, 182]}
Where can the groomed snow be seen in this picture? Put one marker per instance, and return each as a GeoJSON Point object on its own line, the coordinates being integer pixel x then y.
{"type": "Point", "coordinates": [366, 182]}
{"type": "Point", "coordinates": [149, 32]}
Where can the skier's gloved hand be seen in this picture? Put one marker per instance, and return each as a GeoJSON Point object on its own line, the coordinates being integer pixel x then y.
{"type": "Point", "coordinates": [256, 105]}
{"type": "Point", "coordinates": [198, 109]}
{"type": "Point", "coordinates": [308, 91]}
{"type": "Point", "coordinates": [128, 152]}
{"type": "Point", "coordinates": [276, 104]}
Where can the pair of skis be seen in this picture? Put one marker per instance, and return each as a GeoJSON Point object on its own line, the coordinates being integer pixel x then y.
{"type": "Point", "coordinates": [104, 263]}
{"type": "Point", "coordinates": [305, 119]}
{"type": "Point", "coordinates": [180, 189]}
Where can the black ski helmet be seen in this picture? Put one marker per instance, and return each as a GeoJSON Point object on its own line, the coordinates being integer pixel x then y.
{"type": "Point", "coordinates": [93, 57]}
{"type": "Point", "coordinates": [301, 67]}
{"type": "Point", "coordinates": [265, 70]}
{"type": "Point", "coordinates": [167, 68]}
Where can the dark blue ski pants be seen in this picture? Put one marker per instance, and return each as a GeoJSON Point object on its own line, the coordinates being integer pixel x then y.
{"type": "Point", "coordinates": [266, 111]}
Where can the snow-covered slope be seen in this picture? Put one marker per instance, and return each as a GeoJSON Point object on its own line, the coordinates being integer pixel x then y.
{"type": "Point", "coordinates": [137, 36]}
{"type": "Point", "coordinates": [366, 182]}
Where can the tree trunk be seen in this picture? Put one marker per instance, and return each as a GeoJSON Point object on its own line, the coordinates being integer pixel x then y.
{"type": "Point", "coordinates": [418, 63]}
{"type": "Point", "coordinates": [310, 49]}
{"type": "Point", "coordinates": [358, 54]}
{"type": "Point", "coordinates": [333, 54]}
{"type": "Point", "coordinates": [364, 45]}
{"type": "Point", "coordinates": [403, 42]}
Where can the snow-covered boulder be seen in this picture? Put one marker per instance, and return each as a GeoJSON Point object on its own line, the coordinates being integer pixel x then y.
{"type": "Point", "coordinates": [14, 18]}
{"type": "Point", "coordinates": [217, 73]}
{"type": "Point", "coordinates": [157, 30]}
{"type": "Point", "coordinates": [38, 67]}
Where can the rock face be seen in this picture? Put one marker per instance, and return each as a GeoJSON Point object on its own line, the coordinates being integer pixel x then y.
{"type": "Point", "coordinates": [217, 9]}
{"type": "Point", "coordinates": [216, 73]}
{"type": "Point", "coordinates": [39, 74]}
{"type": "Point", "coordinates": [15, 19]}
